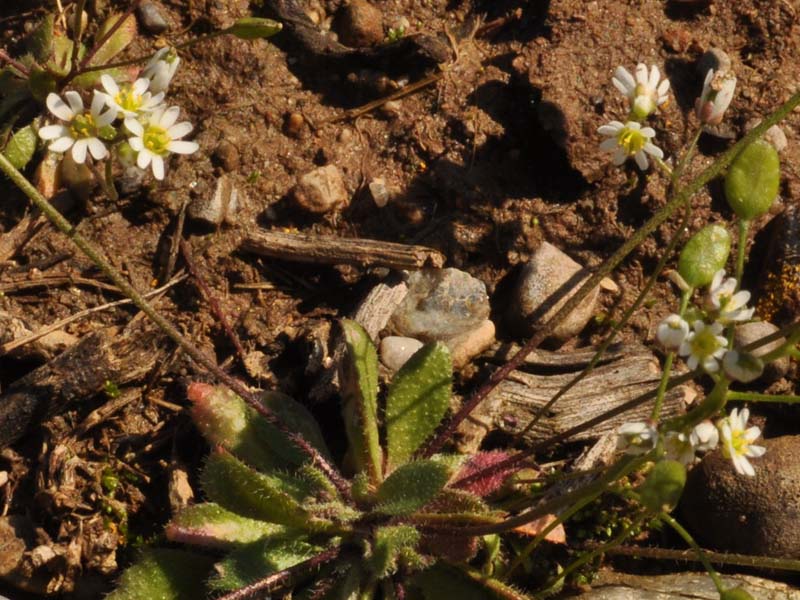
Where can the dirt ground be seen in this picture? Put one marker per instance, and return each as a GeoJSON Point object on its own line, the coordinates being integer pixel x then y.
{"type": "Point", "coordinates": [495, 154]}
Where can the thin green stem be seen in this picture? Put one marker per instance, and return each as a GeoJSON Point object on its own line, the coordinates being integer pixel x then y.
{"type": "Point", "coordinates": [662, 385]}
{"type": "Point", "coordinates": [664, 167]}
{"type": "Point", "coordinates": [720, 558]}
{"type": "Point", "coordinates": [744, 227]}
{"type": "Point", "coordinates": [701, 555]}
{"type": "Point", "coordinates": [756, 397]}
{"type": "Point", "coordinates": [77, 30]}
{"type": "Point", "coordinates": [199, 357]}
{"type": "Point", "coordinates": [687, 155]}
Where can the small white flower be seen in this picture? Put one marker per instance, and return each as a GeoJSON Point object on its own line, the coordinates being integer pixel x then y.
{"type": "Point", "coordinates": [730, 305]}
{"type": "Point", "coordinates": [645, 92]}
{"type": "Point", "coordinates": [630, 140]}
{"type": "Point", "coordinates": [131, 99]}
{"type": "Point", "coordinates": [159, 138]}
{"type": "Point", "coordinates": [704, 346]}
{"type": "Point", "coordinates": [672, 331]}
{"type": "Point", "coordinates": [161, 69]}
{"type": "Point", "coordinates": [678, 446]}
{"type": "Point", "coordinates": [704, 436]}
{"type": "Point", "coordinates": [81, 128]}
{"type": "Point", "coordinates": [636, 438]}
{"type": "Point", "coordinates": [742, 366]}
{"type": "Point", "coordinates": [738, 441]}
{"type": "Point", "coordinates": [717, 94]}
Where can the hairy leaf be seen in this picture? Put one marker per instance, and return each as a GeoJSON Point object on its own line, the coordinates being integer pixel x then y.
{"type": "Point", "coordinates": [40, 41]}
{"type": "Point", "coordinates": [212, 526]}
{"type": "Point", "coordinates": [359, 378]}
{"type": "Point", "coordinates": [418, 399]}
{"type": "Point", "coordinates": [123, 36]}
{"type": "Point", "coordinates": [164, 574]}
{"type": "Point", "coordinates": [389, 544]}
{"type": "Point", "coordinates": [21, 146]}
{"type": "Point", "coordinates": [411, 487]}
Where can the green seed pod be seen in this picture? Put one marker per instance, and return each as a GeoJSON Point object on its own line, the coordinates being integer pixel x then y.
{"type": "Point", "coordinates": [253, 28]}
{"type": "Point", "coordinates": [663, 487]}
{"type": "Point", "coordinates": [704, 254]}
{"type": "Point", "coordinates": [736, 593]}
{"type": "Point", "coordinates": [751, 184]}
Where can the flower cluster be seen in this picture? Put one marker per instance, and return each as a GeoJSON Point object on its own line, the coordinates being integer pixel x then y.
{"type": "Point", "coordinates": [646, 91]}
{"type": "Point", "coordinates": [737, 441]}
{"type": "Point", "coordinates": [703, 343]}
{"type": "Point", "coordinates": [151, 127]}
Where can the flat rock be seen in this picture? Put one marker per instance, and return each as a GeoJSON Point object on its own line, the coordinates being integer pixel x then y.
{"type": "Point", "coordinates": [747, 333]}
{"type": "Point", "coordinates": [396, 350]}
{"type": "Point", "coordinates": [748, 515]}
{"type": "Point", "coordinates": [441, 304]}
{"type": "Point", "coordinates": [545, 284]}
{"type": "Point", "coordinates": [321, 190]}
{"type": "Point", "coordinates": [466, 346]}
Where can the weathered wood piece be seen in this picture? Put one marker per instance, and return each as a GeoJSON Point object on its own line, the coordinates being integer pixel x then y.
{"type": "Point", "coordinates": [624, 374]}
{"type": "Point", "coordinates": [79, 372]}
{"type": "Point", "coordinates": [331, 250]}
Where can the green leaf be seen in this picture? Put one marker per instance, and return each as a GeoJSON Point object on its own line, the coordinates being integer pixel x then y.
{"type": "Point", "coordinates": [41, 83]}
{"type": "Point", "coordinates": [447, 581]}
{"type": "Point", "coordinates": [390, 543]}
{"type": "Point", "coordinates": [752, 182]}
{"type": "Point", "coordinates": [21, 146]}
{"type": "Point", "coordinates": [274, 498]}
{"type": "Point", "coordinates": [418, 398]}
{"type": "Point", "coordinates": [359, 379]}
{"type": "Point", "coordinates": [411, 487]}
{"type": "Point", "coordinates": [164, 574]}
{"type": "Point", "coordinates": [226, 420]}
{"type": "Point", "coordinates": [705, 253]}
{"type": "Point", "coordinates": [212, 526]}
{"type": "Point", "coordinates": [253, 28]}
{"type": "Point", "coordinates": [40, 41]}
{"type": "Point", "coordinates": [255, 561]}
{"type": "Point", "coordinates": [61, 58]}
{"type": "Point", "coordinates": [123, 36]}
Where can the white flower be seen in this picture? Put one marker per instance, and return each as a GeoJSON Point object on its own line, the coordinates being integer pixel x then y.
{"type": "Point", "coordinates": [672, 331]}
{"type": "Point", "coordinates": [131, 99]}
{"type": "Point", "coordinates": [630, 140]}
{"type": "Point", "coordinates": [81, 129]}
{"type": "Point", "coordinates": [636, 438]}
{"type": "Point", "coordinates": [678, 446]}
{"type": "Point", "coordinates": [731, 307]}
{"type": "Point", "coordinates": [738, 441]}
{"type": "Point", "coordinates": [704, 346]}
{"type": "Point", "coordinates": [716, 97]}
{"type": "Point", "coordinates": [742, 366]}
{"type": "Point", "coordinates": [704, 436]}
{"type": "Point", "coordinates": [159, 138]}
{"type": "Point", "coordinates": [645, 92]}
{"type": "Point", "coordinates": [161, 69]}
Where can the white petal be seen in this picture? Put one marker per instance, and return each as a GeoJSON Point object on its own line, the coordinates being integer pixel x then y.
{"type": "Point", "coordinates": [648, 132]}
{"type": "Point", "coordinates": [744, 416]}
{"type": "Point", "coordinates": [79, 151]}
{"type": "Point", "coordinates": [98, 101]}
{"type": "Point", "coordinates": [625, 79]}
{"type": "Point", "coordinates": [636, 126]}
{"type": "Point", "coordinates": [621, 87]}
{"type": "Point", "coordinates": [181, 147]}
{"type": "Point", "coordinates": [641, 73]}
{"type": "Point", "coordinates": [181, 129]}
{"type": "Point", "coordinates": [663, 88]}
{"type": "Point", "coordinates": [654, 150]}
{"type": "Point", "coordinates": [158, 167]}
{"type": "Point", "coordinates": [109, 85]}
{"type": "Point", "coordinates": [58, 107]}
{"type": "Point", "coordinates": [609, 145]}
{"type": "Point", "coordinates": [710, 364]}
{"type": "Point", "coordinates": [619, 157]}
{"type": "Point", "coordinates": [134, 127]}
{"type": "Point", "coordinates": [51, 132]}
{"type": "Point", "coordinates": [75, 101]}
{"type": "Point", "coordinates": [140, 86]}
{"type": "Point", "coordinates": [641, 160]}
{"type": "Point", "coordinates": [743, 466]}
{"type": "Point", "coordinates": [655, 75]}
{"type": "Point", "coordinates": [136, 143]}
{"type": "Point", "coordinates": [692, 362]}
{"type": "Point", "coordinates": [756, 451]}
{"type": "Point", "coordinates": [97, 149]}
{"type": "Point", "coordinates": [612, 128]}
{"type": "Point", "coordinates": [107, 117]}
{"type": "Point", "coordinates": [143, 159]}
{"type": "Point", "coordinates": [61, 144]}
{"type": "Point", "coordinates": [169, 117]}
{"type": "Point", "coordinates": [717, 281]}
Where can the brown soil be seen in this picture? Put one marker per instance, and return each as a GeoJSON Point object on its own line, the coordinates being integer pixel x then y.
{"type": "Point", "coordinates": [495, 155]}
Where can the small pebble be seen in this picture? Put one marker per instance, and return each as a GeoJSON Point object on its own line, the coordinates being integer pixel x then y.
{"type": "Point", "coordinates": [220, 207]}
{"type": "Point", "coordinates": [396, 350]}
{"type": "Point", "coordinates": [150, 17]}
{"type": "Point", "coordinates": [468, 345]}
{"type": "Point", "coordinates": [321, 190]}
{"type": "Point", "coordinates": [227, 156]}
{"type": "Point", "coordinates": [747, 333]}
{"type": "Point", "coordinates": [546, 283]}
{"type": "Point", "coordinates": [714, 58]}
{"type": "Point", "coordinates": [360, 24]}
{"type": "Point", "coordinates": [294, 124]}
{"type": "Point", "coordinates": [379, 191]}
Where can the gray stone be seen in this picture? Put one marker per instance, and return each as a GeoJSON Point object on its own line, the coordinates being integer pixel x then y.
{"type": "Point", "coordinates": [777, 138]}
{"type": "Point", "coordinates": [396, 350]}
{"type": "Point", "coordinates": [441, 304]}
{"type": "Point", "coordinates": [747, 333]}
{"type": "Point", "coordinates": [150, 17]}
{"type": "Point", "coordinates": [321, 190]}
{"type": "Point", "coordinates": [466, 346]}
{"type": "Point", "coordinates": [547, 281]}
{"type": "Point", "coordinates": [713, 58]}
{"type": "Point", "coordinates": [749, 515]}
{"type": "Point", "coordinates": [220, 207]}
{"type": "Point", "coordinates": [360, 24]}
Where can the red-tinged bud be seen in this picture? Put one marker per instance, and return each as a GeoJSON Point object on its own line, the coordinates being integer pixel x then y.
{"type": "Point", "coordinates": [494, 479]}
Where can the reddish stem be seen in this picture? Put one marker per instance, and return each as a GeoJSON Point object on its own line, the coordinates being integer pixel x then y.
{"type": "Point", "coordinates": [14, 63]}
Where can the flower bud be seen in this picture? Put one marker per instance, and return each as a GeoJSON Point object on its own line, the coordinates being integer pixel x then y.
{"type": "Point", "coordinates": [705, 253]}
{"type": "Point", "coordinates": [663, 487]}
{"type": "Point", "coordinates": [751, 184]}
{"type": "Point", "coordinates": [742, 366]}
{"type": "Point", "coordinates": [253, 28]}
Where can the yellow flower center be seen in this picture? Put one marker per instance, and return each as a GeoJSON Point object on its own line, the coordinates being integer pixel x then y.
{"type": "Point", "coordinates": [82, 126]}
{"type": "Point", "coordinates": [631, 140]}
{"type": "Point", "coordinates": [156, 139]}
{"type": "Point", "coordinates": [738, 442]}
{"type": "Point", "coordinates": [704, 343]}
{"type": "Point", "coordinates": [128, 100]}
